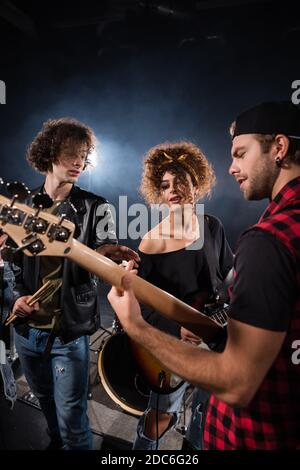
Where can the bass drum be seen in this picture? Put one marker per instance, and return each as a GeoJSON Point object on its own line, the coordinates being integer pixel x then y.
{"type": "Point", "coordinates": [119, 375]}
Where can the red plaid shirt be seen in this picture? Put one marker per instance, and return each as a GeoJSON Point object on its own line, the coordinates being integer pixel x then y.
{"type": "Point", "coordinates": [272, 418]}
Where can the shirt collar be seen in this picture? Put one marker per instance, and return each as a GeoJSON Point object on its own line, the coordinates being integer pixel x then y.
{"type": "Point", "coordinates": [288, 193]}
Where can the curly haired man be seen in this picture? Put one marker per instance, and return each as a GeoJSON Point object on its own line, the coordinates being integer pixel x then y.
{"type": "Point", "coordinates": [52, 338]}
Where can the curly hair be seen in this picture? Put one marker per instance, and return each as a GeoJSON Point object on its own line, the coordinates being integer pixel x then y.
{"type": "Point", "coordinates": [45, 148]}
{"type": "Point", "coordinates": [194, 163]}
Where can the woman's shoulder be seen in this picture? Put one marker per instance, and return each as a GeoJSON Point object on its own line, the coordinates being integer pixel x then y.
{"type": "Point", "coordinates": [151, 242]}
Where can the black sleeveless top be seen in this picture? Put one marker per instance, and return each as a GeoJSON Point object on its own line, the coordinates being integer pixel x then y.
{"type": "Point", "coordinates": [183, 273]}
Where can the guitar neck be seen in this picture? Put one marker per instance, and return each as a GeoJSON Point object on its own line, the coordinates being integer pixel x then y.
{"type": "Point", "coordinates": [146, 293]}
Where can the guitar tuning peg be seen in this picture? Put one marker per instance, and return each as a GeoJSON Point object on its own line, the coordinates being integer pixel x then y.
{"type": "Point", "coordinates": [17, 191]}
{"type": "Point", "coordinates": [58, 232]}
{"type": "Point", "coordinates": [62, 218]}
{"type": "Point", "coordinates": [38, 210]}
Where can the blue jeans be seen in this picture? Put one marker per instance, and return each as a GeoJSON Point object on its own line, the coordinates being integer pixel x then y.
{"type": "Point", "coordinates": [194, 434]}
{"type": "Point", "coordinates": [60, 383]}
{"type": "Point", "coordinates": [6, 372]}
{"type": "Point", "coordinates": [9, 281]}
{"type": "Point", "coordinates": [167, 403]}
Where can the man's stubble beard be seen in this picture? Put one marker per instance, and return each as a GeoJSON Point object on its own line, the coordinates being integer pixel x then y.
{"type": "Point", "coordinates": [262, 180]}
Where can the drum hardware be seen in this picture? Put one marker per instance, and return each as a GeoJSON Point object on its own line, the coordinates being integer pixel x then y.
{"type": "Point", "coordinates": [186, 403]}
{"type": "Point", "coordinates": [99, 336]}
{"type": "Point", "coordinates": [116, 326]}
{"type": "Point", "coordinates": [118, 371]}
{"type": "Point", "coordinates": [119, 374]}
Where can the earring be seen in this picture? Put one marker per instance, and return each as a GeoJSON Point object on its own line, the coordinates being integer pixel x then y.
{"type": "Point", "coordinates": [278, 162]}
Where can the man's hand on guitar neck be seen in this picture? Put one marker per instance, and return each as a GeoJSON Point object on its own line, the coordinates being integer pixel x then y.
{"type": "Point", "coordinates": [130, 312]}
{"type": "Point", "coordinates": [127, 308]}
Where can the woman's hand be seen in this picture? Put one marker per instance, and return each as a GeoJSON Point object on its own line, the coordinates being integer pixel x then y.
{"type": "Point", "coordinates": [129, 266]}
{"type": "Point", "coordinates": [119, 253]}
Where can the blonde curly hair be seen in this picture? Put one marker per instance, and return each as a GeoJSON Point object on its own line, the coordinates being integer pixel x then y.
{"type": "Point", "coordinates": [176, 158]}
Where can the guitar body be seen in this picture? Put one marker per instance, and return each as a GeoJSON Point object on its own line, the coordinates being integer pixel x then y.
{"type": "Point", "coordinates": [158, 377]}
{"type": "Point", "coordinates": [154, 373]}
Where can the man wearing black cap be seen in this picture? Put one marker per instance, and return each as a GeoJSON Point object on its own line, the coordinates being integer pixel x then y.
{"type": "Point", "coordinates": [255, 131]}
{"type": "Point", "coordinates": [254, 385]}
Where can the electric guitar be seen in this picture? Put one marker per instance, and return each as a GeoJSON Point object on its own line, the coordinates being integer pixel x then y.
{"type": "Point", "coordinates": [155, 374]}
{"type": "Point", "coordinates": [39, 233]}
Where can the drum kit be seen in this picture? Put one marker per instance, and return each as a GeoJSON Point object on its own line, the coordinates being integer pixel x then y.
{"type": "Point", "coordinates": [119, 373]}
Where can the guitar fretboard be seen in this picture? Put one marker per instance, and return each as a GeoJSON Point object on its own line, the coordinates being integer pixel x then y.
{"type": "Point", "coordinates": [221, 316]}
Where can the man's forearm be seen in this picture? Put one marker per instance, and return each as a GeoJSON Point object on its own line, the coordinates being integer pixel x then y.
{"type": "Point", "coordinates": [234, 375]}
{"type": "Point", "coordinates": [200, 367]}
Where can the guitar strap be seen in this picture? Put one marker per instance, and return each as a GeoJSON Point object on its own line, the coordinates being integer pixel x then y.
{"type": "Point", "coordinates": [211, 258]}
{"type": "Point", "coordinates": [220, 286]}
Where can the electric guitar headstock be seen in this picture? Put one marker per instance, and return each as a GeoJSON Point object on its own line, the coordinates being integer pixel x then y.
{"type": "Point", "coordinates": [34, 231]}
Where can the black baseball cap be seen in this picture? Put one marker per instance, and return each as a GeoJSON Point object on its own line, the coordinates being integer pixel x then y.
{"type": "Point", "coordinates": [277, 117]}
